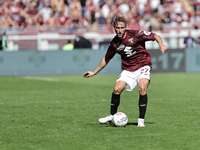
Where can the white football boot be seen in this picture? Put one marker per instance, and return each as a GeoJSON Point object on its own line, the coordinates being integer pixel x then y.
{"type": "Point", "coordinates": [106, 119]}
{"type": "Point", "coordinates": [140, 122]}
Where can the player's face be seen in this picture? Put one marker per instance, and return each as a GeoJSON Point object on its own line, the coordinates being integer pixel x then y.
{"type": "Point", "coordinates": [120, 29]}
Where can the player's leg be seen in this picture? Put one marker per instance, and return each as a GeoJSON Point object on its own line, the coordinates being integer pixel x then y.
{"type": "Point", "coordinates": [143, 84]}
{"type": "Point", "coordinates": [115, 100]}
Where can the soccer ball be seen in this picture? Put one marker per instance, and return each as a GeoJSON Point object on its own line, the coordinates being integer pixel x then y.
{"type": "Point", "coordinates": [120, 119]}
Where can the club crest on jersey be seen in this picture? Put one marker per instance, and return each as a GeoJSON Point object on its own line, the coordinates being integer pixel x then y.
{"type": "Point", "coordinates": [121, 47]}
{"type": "Point", "coordinates": [130, 40]}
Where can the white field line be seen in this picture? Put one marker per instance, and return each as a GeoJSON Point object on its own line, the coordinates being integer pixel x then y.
{"type": "Point", "coordinates": [170, 99]}
{"type": "Point", "coordinates": [177, 99]}
{"type": "Point", "coordinates": [42, 78]}
{"type": "Point", "coordinates": [38, 102]}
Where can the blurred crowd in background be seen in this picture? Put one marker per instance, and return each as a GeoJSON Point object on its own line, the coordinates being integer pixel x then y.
{"type": "Point", "coordinates": [75, 14]}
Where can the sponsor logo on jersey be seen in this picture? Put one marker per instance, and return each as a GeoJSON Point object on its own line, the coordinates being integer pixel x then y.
{"type": "Point", "coordinates": [129, 51]}
{"type": "Point", "coordinates": [121, 47]}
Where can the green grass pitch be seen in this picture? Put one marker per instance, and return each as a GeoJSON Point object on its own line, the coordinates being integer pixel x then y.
{"type": "Point", "coordinates": [62, 112]}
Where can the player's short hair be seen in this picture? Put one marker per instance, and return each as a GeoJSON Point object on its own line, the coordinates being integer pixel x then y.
{"type": "Point", "coordinates": [120, 18]}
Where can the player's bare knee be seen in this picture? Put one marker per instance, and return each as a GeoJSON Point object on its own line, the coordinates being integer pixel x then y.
{"type": "Point", "coordinates": [119, 87]}
{"type": "Point", "coordinates": [117, 90]}
{"type": "Point", "coordinates": [143, 90]}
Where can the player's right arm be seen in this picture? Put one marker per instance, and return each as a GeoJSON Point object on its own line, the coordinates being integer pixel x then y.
{"type": "Point", "coordinates": [101, 65]}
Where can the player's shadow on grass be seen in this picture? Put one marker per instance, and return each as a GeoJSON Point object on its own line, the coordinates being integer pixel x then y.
{"type": "Point", "coordinates": [135, 123]}
{"type": "Point", "coordinates": [109, 124]}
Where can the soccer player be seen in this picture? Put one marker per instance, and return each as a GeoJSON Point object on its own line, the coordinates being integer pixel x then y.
{"type": "Point", "coordinates": [136, 64]}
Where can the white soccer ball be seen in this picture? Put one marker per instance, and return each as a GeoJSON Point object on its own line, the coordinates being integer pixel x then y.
{"type": "Point", "coordinates": [120, 119]}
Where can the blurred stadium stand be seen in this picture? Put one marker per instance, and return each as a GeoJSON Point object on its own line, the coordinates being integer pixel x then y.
{"type": "Point", "coordinates": [29, 29]}
{"type": "Point", "coordinates": [54, 40]}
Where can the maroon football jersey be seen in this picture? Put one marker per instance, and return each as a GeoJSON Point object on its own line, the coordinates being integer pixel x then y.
{"type": "Point", "coordinates": [132, 49]}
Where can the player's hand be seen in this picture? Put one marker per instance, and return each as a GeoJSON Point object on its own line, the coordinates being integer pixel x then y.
{"type": "Point", "coordinates": [163, 48]}
{"type": "Point", "coordinates": [88, 74]}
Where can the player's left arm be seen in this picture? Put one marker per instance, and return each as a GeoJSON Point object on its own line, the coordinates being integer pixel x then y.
{"type": "Point", "coordinates": [162, 47]}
